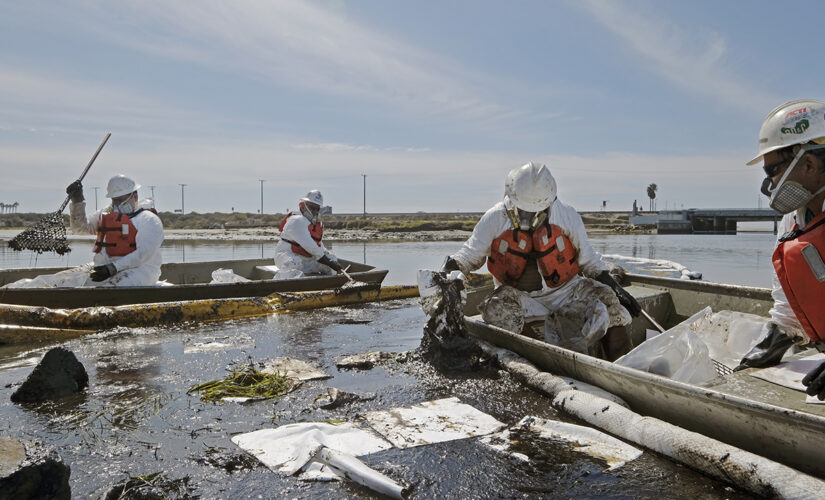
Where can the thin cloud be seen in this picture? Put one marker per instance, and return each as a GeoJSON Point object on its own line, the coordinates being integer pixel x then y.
{"type": "Point", "coordinates": [37, 100]}
{"type": "Point", "coordinates": [692, 61]}
{"type": "Point", "coordinates": [307, 47]}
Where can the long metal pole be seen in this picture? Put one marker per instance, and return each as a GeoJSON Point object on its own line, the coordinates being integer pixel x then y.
{"type": "Point", "coordinates": [262, 195]}
{"type": "Point", "coordinates": [96, 188]}
{"type": "Point", "coordinates": [182, 210]}
{"type": "Point", "coordinates": [365, 193]}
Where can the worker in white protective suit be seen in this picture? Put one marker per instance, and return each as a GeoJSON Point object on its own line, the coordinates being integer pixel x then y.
{"type": "Point", "coordinates": [535, 246]}
{"type": "Point", "coordinates": [300, 250]}
{"type": "Point", "coordinates": [792, 150]}
{"type": "Point", "coordinates": [129, 235]}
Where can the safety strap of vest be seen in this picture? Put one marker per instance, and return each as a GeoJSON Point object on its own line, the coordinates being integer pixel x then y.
{"type": "Point", "coordinates": [104, 244]}
{"type": "Point", "coordinates": [796, 233]}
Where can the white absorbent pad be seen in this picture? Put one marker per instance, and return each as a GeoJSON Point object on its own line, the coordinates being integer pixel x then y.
{"type": "Point", "coordinates": [432, 422]}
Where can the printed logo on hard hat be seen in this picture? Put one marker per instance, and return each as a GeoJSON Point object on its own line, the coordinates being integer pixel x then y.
{"type": "Point", "coordinates": [796, 112]}
{"type": "Point", "coordinates": [799, 127]}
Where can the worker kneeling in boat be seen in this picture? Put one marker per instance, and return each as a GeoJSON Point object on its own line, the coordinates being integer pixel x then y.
{"type": "Point", "coordinates": [792, 149]}
{"type": "Point", "coordinates": [300, 250]}
{"type": "Point", "coordinates": [535, 247]}
{"type": "Point", "coordinates": [129, 235]}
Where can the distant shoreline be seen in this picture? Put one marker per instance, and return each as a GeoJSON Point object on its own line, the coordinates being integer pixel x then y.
{"type": "Point", "coordinates": [358, 227]}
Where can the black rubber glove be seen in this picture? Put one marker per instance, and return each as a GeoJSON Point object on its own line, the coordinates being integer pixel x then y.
{"type": "Point", "coordinates": [331, 263]}
{"type": "Point", "coordinates": [75, 191]}
{"type": "Point", "coordinates": [104, 272]}
{"type": "Point", "coordinates": [450, 265]}
{"type": "Point", "coordinates": [628, 301]}
{"type": "Point", "coordinates": [769, 350]}
{"type": "Point", "coordinates": [815, 382]}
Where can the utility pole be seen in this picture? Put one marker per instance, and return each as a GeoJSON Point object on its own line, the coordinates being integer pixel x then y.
{"type": "Point", "coordinates": [365, 193]}
{"type": "Point", "coordinates": [262, 195]}
{"type": "Point", "coordinates": [181, 199]}
{"type": "Point", "coordinates": [155, 205]}
{"type": "Point", "coordinates": [95, 188]}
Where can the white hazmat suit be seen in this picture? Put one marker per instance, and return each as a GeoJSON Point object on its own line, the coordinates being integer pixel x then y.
{"type": "Point", "coordinates": [138, 268]}
{"type": "Point", "coordinates": [292, 265]}
{"type": "Point", "coordinates": [580, 296]}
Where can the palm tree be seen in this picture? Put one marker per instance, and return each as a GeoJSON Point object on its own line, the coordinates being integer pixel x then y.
{"type": "Point", "coordinates": [651, 193]}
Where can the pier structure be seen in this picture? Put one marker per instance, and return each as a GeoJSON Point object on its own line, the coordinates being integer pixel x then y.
{"type": "Point", "coordinates": [706, 220]}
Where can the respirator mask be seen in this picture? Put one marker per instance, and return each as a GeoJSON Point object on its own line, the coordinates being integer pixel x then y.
{"type": "Point", "coordinates": [124, 206]}
{"type": "Point", "coordinates": [788, 196]}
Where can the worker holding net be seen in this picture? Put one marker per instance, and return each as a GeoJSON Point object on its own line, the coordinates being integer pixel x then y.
{"type": "Point", "coordinates": [129, 235]}
{"type": "Point", "coordinates": [127, 247]}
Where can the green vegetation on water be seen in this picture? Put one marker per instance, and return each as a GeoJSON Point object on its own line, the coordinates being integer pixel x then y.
{"type": "Point", "coordinates": [245, 383]}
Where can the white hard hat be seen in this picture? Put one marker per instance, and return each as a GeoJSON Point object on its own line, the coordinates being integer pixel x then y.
{"type": "Point", "coordinates": [531, 187]}
{"type": "Point", "coordinates": [314, 196]}
{"type": "Point", "coordinates": [795, 122]}
{"type": "Point", "coordinates": [120, 185]}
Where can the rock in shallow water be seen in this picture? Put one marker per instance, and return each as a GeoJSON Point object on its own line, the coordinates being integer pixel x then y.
{"type": "Point", "coordinates": [58, 374]}
{"type": "Point", "coordinates": [30, 470]}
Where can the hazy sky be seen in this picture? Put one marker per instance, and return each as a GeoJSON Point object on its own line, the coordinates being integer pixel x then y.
{"type": "Point", "coordinates": [434, 101]}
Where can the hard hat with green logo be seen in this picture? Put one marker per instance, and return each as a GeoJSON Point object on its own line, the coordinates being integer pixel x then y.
{"type": "Point", "coordinates": [795, 122]}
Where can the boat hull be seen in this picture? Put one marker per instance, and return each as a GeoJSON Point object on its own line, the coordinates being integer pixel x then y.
{"type": "Point", "coordinates": [190, 283]}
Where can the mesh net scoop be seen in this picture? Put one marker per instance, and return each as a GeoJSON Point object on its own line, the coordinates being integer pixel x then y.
{"type": "Point", "coordinates": [48, 235]}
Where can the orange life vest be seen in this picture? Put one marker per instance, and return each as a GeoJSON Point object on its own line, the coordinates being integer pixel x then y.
{"type": "Point", "coordinates": [116, 233]}
{"type": "Point", "coordinates": [316, 231]}
{"type": "Point", "coordinates": [798, 260]}
{"type": "Point", "coordinates": [556, 256]}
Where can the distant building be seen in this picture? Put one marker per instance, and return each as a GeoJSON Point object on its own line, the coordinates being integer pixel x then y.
{"type": "Point", "coordinates": [325, 210]}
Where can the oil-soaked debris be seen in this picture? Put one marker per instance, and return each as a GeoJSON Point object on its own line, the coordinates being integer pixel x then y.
{"type": "Point", "coordinates": [445, 343]}
{"type": "Point", "coordinates": [58, 374]}
{"type": "Point", "coordinates": [335, 398]}
{"type": "Point", "coordinates": [294, 368]}
{"type": "Point", "coordinates": [221, 458]}
{"type": "Point", "coordinates": [246, 384]}
{"type": "Point", "coordinates": [31, 470]}
{"type": "Point", "coordinates": [151, 487]}
{"type": "Point", "coordinates": [353, 321]}
{"type": "Point", "coordinates": [578, 438]}
{"type": "Point", "coordinates": [368, 360]}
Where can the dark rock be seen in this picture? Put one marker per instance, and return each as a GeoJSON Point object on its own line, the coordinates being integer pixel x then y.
{"type": "Point", "coordinates": [31, 471]}
{"type": "Point", "coordinates": [58, 374]}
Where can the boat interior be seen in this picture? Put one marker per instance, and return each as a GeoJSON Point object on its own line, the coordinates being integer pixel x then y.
{"type": "Point", "coordinates": [188, 273]}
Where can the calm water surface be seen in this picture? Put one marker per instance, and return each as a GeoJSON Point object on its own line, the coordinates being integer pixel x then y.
{"type": "Point", "coordinates": [136, 418]}
{"type": "Point", "coordinates": [743, 259]}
